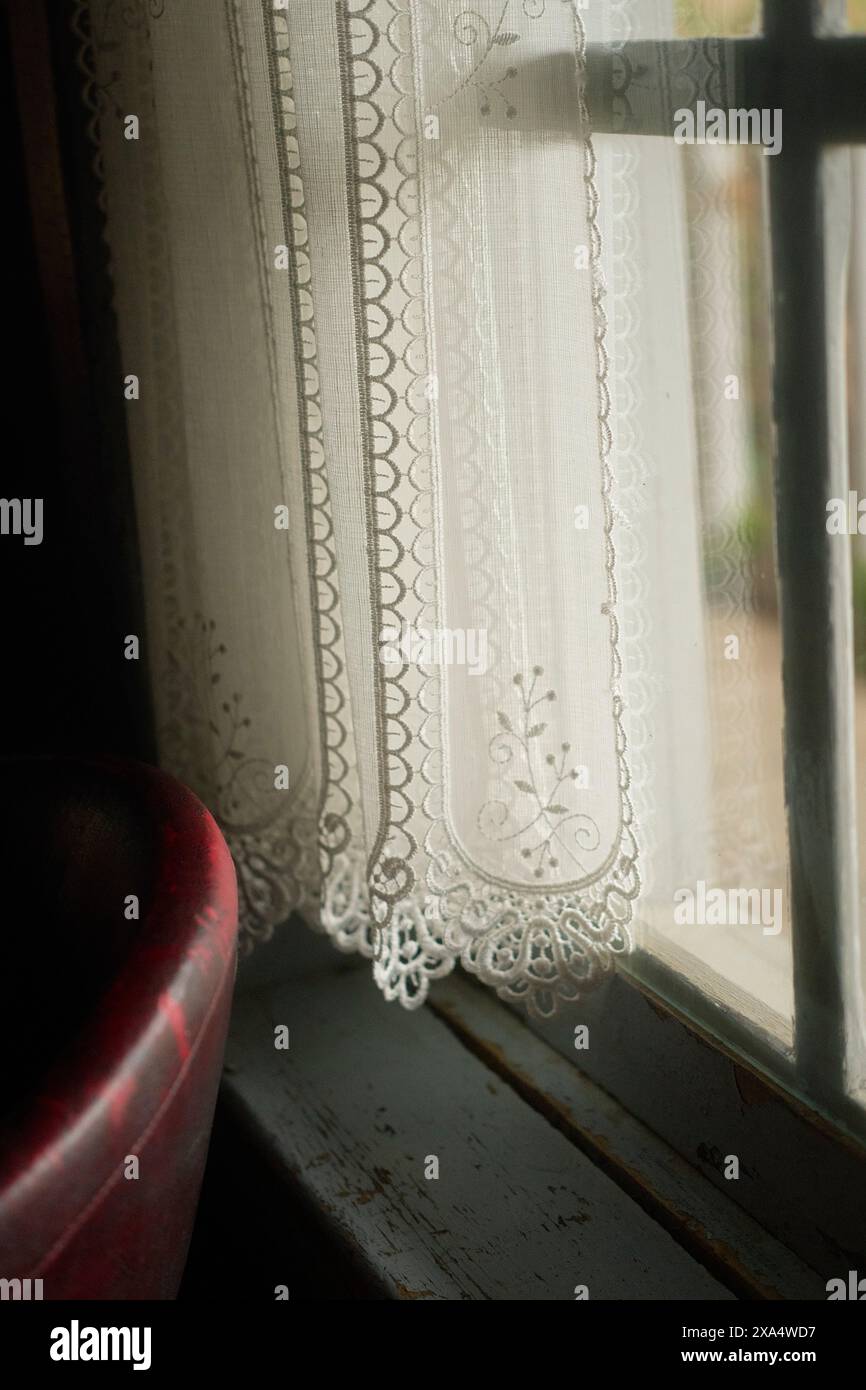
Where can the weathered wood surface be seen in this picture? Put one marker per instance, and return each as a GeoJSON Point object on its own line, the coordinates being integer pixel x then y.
{"type": "Point", "coordinates": [800, 1180]}
{"type": "Point", "coordinates": [710, 1223]}
{"type": "Point", "coordinates": [367, 1093]}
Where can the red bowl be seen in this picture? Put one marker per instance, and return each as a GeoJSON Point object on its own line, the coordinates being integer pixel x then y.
{"type": "Point", "coordinates": [112, 1025]}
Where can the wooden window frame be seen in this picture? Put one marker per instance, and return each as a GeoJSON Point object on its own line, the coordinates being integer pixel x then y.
{"type": "Point", "coordinates": [818, 80]}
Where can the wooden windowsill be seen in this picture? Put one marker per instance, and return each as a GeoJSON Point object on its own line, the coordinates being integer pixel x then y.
{"type": "Point", "coordinates": [545, 1181]}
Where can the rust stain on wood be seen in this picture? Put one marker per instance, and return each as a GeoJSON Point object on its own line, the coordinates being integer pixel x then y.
{"type": "Point", "coordinates": [662, 1013]}
{"type": "Point", "coordinates": [367, 1195]}
{"type": "Point", "coordinates": [382, 1177]}
{"type": "Point", "coordinates": [751, 1088]}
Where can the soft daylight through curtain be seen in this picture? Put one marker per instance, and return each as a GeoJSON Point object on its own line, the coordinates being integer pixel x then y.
{"type": "Point", "coordinates": [439, 477]}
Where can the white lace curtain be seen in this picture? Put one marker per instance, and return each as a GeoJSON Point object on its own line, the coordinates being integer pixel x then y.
{"type": "Point", "coordinates": [409, 365]}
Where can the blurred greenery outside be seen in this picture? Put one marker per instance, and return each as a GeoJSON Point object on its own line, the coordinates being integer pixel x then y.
{"type": "Point", "coordinates": [735, 18]}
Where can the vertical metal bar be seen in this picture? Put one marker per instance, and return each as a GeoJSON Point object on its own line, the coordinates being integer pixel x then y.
{"type": "Point", "coordinates": [813, 643]}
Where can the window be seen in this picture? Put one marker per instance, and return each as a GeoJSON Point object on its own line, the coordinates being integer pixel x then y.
{"type": "Point", "coordinates": [724, 201]}
{"type": "Point", "coordinates": [733, 280]}
{"type": "Point", "coordinates": [768, 326]}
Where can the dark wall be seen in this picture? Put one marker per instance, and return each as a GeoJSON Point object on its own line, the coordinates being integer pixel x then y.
{"type": "Point", "coordinates": [67, 603]}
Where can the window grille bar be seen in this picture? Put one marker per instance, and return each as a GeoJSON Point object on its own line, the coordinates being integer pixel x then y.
{"type": "Point", "coordinates": [812, 569]}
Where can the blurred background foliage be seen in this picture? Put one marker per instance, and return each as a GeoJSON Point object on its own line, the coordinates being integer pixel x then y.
{"type": "Point", "coordinates": [738, 17]}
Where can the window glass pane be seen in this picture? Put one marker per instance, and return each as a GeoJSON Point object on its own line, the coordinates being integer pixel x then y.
{"type": "Point", "coordinates": [726, 18]}
{"type": "Point", "coordinates": [666, 19]}
{"type": "Point", "coordinates": [686, 259]}
{"type": "Point", "coordinates": [718, 908]}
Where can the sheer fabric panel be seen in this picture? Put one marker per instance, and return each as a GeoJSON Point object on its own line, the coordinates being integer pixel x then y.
{"type": "Point", "coordinates": [409, 338]}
